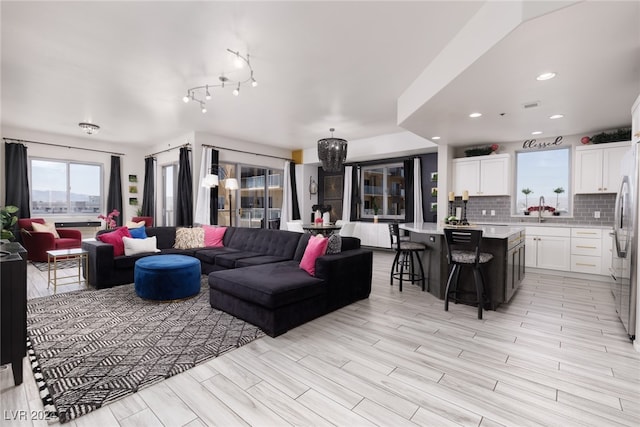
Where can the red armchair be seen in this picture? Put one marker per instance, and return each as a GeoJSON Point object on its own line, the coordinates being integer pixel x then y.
{"type": "Point", "coordinates": [38, 243]}
{"type": "Point", "coordinates": [148, 220]}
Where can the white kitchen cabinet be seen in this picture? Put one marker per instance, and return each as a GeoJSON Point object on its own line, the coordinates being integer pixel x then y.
{"type": "Point", "coordinates": [548, 248]}
{"type": "Point", "coordinates": [482, 175]}
{"type": "Point", "coordinates": [597, 167]}
{"type": "Point", "coordinates": [586, 250]}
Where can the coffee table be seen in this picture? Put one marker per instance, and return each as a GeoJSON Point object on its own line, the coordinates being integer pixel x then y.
{"type": "Point", "coordinates": [79, 255]}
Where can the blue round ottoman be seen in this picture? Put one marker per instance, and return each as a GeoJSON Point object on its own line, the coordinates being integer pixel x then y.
{"type": "Point", "coordinates": [167, 277]}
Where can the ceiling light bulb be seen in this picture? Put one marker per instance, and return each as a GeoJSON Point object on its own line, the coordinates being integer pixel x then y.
{"type": "Point", "coordinates": [536, 132]}
{"type": "Point", "coordinates": [474, 115]}
{"type": "Point", "coordinates": [186, 98]}
{"type": "Point", "coordinates": [556, 116]}
{"type": "Point", "coordinates": [207, 95]}
{"type": "Point", "coordinates": [546, 76]}
{"type": "Point", "coordinates": [204, 109]}
{"type": "Point", "coordinates": [236, 91]}
{"type": "Point", "coordinates": [254, 83]}
{"type": "Point", "coordinates": [435, 138]}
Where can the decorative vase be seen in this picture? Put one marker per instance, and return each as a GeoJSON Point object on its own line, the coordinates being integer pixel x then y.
{"type": "Point", "coordinates": [375, 219]}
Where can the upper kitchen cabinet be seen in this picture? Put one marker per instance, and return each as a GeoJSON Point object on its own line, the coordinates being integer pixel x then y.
{"type": "Point", "coordinates": [597, 167]}
{"type": "Point", "coordinates": [482, 175]}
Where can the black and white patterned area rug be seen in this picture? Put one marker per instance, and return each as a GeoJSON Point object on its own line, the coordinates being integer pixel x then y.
{"type": "Point", "coordinates": [92, 347]}
{"type": "Point", "coordinates": [44, 266]}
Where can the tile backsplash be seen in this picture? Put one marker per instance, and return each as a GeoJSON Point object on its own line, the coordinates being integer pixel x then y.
{"type": "Point", "coordinates": [584, 206]}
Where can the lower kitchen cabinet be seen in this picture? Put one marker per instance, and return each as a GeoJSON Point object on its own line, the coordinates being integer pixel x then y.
{"type": "Point", "coordinates": [586, 250]}
{"type": "Point", "coordinates": [548, 248]}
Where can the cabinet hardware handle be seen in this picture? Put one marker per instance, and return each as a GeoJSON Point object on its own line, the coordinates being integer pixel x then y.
{"type": "Point", "coordinates": [605, 188]}
{"type": "Point", "coordinates": [599, 188]}
{"type": "Point", "coordinates": [585, 247]}
{"type": "Point", "coordinates": [585, 232]}
{"type": "Point", "coordinates": [584, 264]}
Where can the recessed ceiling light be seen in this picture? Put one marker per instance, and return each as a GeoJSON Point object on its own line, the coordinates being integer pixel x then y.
{"type": "Point", "coordinates": [546, 76]}
{"type": "Point", "coordinates": [556, 116]}
{"type": "Point", "coordinates": [536, 132]}
{"type": "Point", "coordinates": [435, 138]}
{"type": "Point", "coordinates": [474, 115]}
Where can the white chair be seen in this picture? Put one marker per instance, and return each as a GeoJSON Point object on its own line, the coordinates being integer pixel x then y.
{"type": "Point", "coordinates": [295, 226]}
{"type": "Point", "coordinates": [347, 229]}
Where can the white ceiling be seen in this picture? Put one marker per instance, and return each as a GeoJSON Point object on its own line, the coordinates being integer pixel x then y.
{"type": "Point", "coordinates": [126, 65]}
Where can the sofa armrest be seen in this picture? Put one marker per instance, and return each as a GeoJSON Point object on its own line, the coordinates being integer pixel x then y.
{"type": "Point", "coordinates": [101, 263]}
{"type": "Point", "coordinates": [68, 233]}
{"type": "Point", "coordinates": [348, 276]}
{"type": "Point", "coordinates": [37, 244]}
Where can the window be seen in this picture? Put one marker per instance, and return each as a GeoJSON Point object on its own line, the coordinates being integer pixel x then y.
{"type": "Point", "coordinates": [383, 191]}
{"type": "Point", "coordinates": [65, 188]}
{"type": "Point", "coordinates": [542, 172]}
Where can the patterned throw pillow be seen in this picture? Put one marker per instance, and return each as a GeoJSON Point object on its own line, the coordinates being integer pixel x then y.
{"type": "Point", "coordinates": [188, 238]}
{"type": "Point", "coordinates": [335, 244]}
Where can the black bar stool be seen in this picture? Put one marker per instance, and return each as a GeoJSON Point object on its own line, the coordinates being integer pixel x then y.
{"type": "Point", "coordinates": [463, 250]}
{"type": "Point", "coordinates": [405, 251]}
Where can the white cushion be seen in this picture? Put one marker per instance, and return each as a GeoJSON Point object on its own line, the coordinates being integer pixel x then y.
{"type": "Point", "coordinates": [47, 227]}
{"type": "Point", "coordinates": [139, 246]}
{"type": "Point", "coordinates": [131, 224]}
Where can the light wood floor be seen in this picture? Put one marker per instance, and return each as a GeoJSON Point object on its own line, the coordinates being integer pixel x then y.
{"type": "Point", "coordinates": [556, 355]}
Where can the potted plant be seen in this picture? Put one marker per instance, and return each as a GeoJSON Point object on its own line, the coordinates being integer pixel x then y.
{"type": "Point", "coordinates": [375, 208]}
{"type": "Point", "coordinates": [8, 220]}
{"type": "Point", "coordinates": [558, 192]}
{"type": "Point", "coordinates": [526, 192]}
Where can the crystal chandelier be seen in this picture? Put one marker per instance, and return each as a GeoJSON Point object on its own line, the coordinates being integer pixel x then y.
{"type": "Point", "coordinates": [201, 94]}
{"type": "Point", "coordinates": [332, 152]}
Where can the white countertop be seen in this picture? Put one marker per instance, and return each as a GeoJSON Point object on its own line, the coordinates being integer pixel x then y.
{"type": "Point", "coordinates": [549, 224]}
{"type": "Point", "coordinates": [488, 231]}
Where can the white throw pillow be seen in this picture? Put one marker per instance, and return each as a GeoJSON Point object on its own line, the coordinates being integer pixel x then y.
{"type": "Point", "coordinates": [47, 227]}
{"type": "Point", "coordinates": [139, 246]}
{"type": "Point", "coordinates": [131, 224]}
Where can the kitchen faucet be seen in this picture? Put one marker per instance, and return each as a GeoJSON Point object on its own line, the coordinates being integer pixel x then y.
{"type": "Point", "coordinates": [541, 203]}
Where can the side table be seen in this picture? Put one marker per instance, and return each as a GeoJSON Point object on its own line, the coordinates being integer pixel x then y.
{"type": "Point", "coordinates": [80, 255]}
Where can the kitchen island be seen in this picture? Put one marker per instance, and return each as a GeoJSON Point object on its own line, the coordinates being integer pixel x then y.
{"type": "Point", "coordinates": [503, 274]}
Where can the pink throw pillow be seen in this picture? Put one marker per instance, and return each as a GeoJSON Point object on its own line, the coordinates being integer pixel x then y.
{"type": "Point", "coordinates": [115, 238]}
{"type": "Point", "coordinates": [316, 247]}
{"type": "Point", "coordinates": [213, 236]}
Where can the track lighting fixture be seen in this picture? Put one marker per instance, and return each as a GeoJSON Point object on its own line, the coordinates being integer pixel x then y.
{"type": "Point", "coordinates": [201, 94]}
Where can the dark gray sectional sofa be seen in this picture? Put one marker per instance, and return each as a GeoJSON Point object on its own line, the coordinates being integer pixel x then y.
{"type": "Point", "coordinates": [256, 275]}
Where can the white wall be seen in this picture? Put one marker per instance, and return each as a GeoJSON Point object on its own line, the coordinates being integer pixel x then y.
{"type": "Point", "coordinates": [131, 162]}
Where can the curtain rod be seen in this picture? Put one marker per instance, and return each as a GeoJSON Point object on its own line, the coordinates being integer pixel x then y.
{"type": "Point", "coordinates": [247, 152]}
{"type": "Point", "coordinates": [63, 146]}
{"type": "Point", "coordinates": [188, 144]}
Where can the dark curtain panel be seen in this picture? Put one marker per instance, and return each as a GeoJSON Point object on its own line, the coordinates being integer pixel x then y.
{"type": "Point", "coordinates": [408, 190]}
{"type": "Point", "coordinates": [355, 194]}
{"type": "Point", "coordinates": [184, 208]}
{"type": "Point", "coordinates": [213, 203]}
{"type": "Point", "coordinates": [295, 206]}
{"type": "Point", "coordinates": [149, 195]}
{"type": "Point", "coordinates": [114, 197]}
{"type": "Point", "coordinates": [17, 179]}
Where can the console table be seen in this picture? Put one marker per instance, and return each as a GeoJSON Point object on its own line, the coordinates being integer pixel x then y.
{"type": "Point", "coordinates": [13, 297]}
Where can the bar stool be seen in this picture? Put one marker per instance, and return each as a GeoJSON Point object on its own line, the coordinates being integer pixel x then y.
{"type": "Point", "coordinates": [405, 251]}
{"type": "Point", "coordinates": [463, 250]}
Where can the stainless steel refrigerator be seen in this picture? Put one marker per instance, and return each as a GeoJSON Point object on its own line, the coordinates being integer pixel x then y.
{"type": "Point", "coordinates": [624, 262]}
